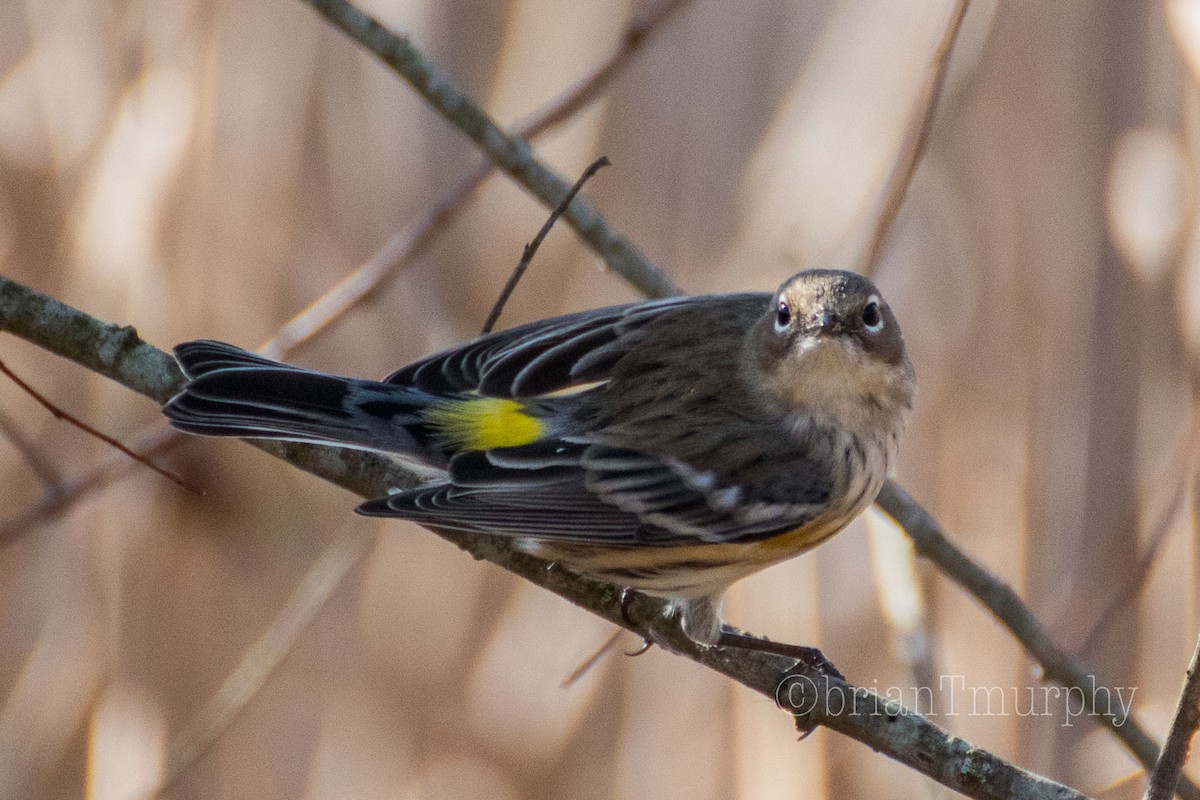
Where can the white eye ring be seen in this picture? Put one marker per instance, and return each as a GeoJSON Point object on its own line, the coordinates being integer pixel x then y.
{"type": "Point", "coordinates": [783, 316]}
{"type": "Point", "coordinates": [873, 302]}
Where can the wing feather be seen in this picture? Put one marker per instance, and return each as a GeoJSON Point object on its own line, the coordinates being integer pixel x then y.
{"type": "Point", "coordinates": [499, 364]}
{"type": "Point", "coordinates": [589, 494]}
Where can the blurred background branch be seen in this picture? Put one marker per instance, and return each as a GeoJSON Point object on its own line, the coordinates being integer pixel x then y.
{"type": "Point", "coordinates": [409, 242]}
{"type": "Point", "coordinates": [509, 153]}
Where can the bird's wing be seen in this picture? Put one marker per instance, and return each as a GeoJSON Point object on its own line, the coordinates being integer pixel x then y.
{"type": "Point", "coordinates": [539, 357]}
{"type": "Point", "coordinates": [574, 487]}
{"type": "Point", "coordinates": [567, 492]}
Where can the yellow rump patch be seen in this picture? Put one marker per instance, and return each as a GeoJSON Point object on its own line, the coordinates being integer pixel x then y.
{"type": "Point", "coordinates": [484, 423]}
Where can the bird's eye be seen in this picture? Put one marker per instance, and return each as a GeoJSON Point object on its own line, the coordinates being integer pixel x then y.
{"type": "Point", "coordinates": [872, 318]}
{"type": "Point", "coordinates": [783, 316]}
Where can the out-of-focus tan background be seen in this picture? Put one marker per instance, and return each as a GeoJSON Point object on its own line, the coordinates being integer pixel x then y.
{"type": "Point", "coordinates": [201, 169]}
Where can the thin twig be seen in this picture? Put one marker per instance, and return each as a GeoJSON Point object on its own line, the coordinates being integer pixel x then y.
{"type": "Point", "coordinates": [531, 249]}
{"type": "Point", "coordinates": [895, 188]}
{"type": "Point", "coordinates": [1167, 770]}
{"type": "Point", "coordinates": [586, 665]}
{"type": "Point", "coordinates": [58, 413]}
{"type": "Point", "coordinates": [511, 154]}
{"type": "Point", "coordinates": [410, 241]}
{"type": "Point", "coordinates": [46, 472]}
{"type": "Point", "coordinates": [931, 542]}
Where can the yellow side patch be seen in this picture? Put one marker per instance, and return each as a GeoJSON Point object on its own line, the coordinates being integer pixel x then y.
{"type": "Point", "coordinates": [484, 423]}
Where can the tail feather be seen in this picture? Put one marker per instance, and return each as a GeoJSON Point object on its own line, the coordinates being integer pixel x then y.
{"type": "Point", "coordinates": [236, 393]}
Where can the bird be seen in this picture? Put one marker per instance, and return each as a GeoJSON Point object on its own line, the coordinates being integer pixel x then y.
{"type": "Point", "coordinates": [669, 447]}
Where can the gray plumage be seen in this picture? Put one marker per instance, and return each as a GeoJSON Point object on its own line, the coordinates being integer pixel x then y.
{"type": "Point", "coordinates": [678, 444]}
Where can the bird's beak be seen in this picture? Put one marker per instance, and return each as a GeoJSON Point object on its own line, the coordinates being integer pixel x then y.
{"type": "Point", "coordinates": [824, 322]}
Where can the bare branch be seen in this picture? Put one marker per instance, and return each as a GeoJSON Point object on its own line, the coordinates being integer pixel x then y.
{"type": "Point", "coordinates": [1167, 771]}
{"type": "Point", "coordinates": [511, 154]}
{"type": "Point", "coordinates": [1004, 604]}
{"type": "Point", "coordinates": [114, 351]}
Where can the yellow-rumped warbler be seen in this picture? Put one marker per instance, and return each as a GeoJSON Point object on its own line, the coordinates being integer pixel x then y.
{"type": "Point", "coordinates": [670, 446]}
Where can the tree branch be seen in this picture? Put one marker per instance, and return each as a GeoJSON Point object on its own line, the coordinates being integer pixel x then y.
{"type": "Point", "coordinates": [114, 351]}
{"type": "Point", "coordinates": [1167, 771]}
{"type": "Point", "coordinates": [816, 699]}
{"type": "Point", "coordinates": [931, 542]}
{"type": "Point", "coordinates": [511, 154]}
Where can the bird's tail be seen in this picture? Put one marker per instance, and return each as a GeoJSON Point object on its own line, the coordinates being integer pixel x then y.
{"type": "Point", "coordinates": [232, 392]}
